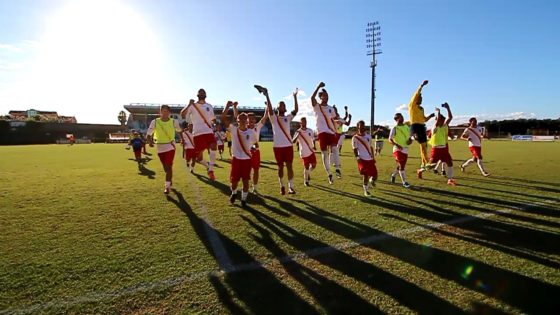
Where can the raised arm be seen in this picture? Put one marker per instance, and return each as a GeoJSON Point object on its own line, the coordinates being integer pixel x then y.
{"type": "Point", "coordinates": [264, 117]}
{"type": "Point", "coordinates": [314, 95]}
{"type": "Point", "coordinates": [347, 122]}
{"type": "Point", "coordinates": [223, 117]}
{"type": "Point", "coordinates": [268, 103]}
{"type": "Point", "coordinates": [184, 110]}
{"type": "Point", "coordinates": [416, 95]}
{"type": "Point", "coordinates": [449, 115]}
{"type": "Point", "coordinates": [426, 118]}
{"type": "Point", "coordinates": [346, 114]}
{"type": "Point", "coordinates": [235, 112]}
{"type": "Point", "coordinates": [296, 107]}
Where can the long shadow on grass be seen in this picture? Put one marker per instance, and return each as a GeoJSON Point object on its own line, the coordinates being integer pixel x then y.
{"type": "Point", "coordinates": [526, 293]}
{"type": "Point", "coordinates": [143, 171]}
{"type": "Point", "coordinates": [334, 298]}
{"type": "Point", "coordinates": [510, 238]}
{"type": "Point", "coordinates": [515, 182]}
{"type": "Point", "coordinates": [479, 199]}
{"type": "Point", "coordinates": [260, 291]}
{"type": "Point", "coordinates": [405, 292]}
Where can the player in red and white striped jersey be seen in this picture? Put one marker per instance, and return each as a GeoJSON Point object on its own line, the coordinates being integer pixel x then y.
{"type": "Point", "coordinates": [361, 143]}
{"type": "Point", "coordinates": [242, 139]}
{"type": "Point", "coordinates": [255, 150]}
{"type": "Point", "coordinates": [326, 130]}
{"type": "Point", "coordinates": [282, 140]}
{"type": "Point", "coordinates": [201, 115]}
{"type": "Point", "coordinates": [473, 134]}
{"type": "Point", "coordinates": [304, 137]}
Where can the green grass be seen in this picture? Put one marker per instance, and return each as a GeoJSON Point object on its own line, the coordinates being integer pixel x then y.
{"type": "Point", "coordinates": [83, 230]}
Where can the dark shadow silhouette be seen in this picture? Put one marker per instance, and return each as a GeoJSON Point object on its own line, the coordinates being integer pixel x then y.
{"type": "Point", "coordinates": [526, 293]}
{"type": "Point", "coordinates": [405, 292]}
{"type": "Point", "coordinates": [334, 298]}
{"type": "Point", "coordinates": [259, 289]}
{"type": "Point", "coordinates": [143, 171]}
{"type": "Point", "coordinates": [511, 182]}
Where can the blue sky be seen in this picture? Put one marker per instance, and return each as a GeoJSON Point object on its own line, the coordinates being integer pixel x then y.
{"type": "Point", "coordinates": [491, 59]}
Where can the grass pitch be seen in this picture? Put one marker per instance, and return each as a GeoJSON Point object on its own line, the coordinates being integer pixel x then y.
{"type": "Point", "coordinates": [84, 230]}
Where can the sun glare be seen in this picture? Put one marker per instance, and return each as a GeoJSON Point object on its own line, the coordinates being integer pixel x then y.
{"type": "Point", "coordinates": [99, 50]}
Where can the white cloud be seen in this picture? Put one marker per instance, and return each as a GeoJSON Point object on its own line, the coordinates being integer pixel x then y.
{"type": "Point", "coordinates": [401, 107]}
{"type": "Point", "coordinates": [463, 118]}
{"type": "Point", "coordinates": [301, 94]}
{"type": "Point", "coordinates": [258, 99]}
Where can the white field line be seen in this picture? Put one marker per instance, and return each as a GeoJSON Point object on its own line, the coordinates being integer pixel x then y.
{"type": "Point", "coordinates": [217, 246]}
{"type": "Point", "coordinates": [171, 282]}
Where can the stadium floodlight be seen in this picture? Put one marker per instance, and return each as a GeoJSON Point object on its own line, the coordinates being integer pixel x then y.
{"type": "Point", "coordinates": [373, 40]}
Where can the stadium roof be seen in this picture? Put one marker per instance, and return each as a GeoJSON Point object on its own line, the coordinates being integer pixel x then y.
{"type": "Point", "coordinates": [153, 108]}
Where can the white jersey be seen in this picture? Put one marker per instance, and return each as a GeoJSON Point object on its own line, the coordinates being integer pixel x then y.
{"type": "Point", "coordinates": [475, 136]}
{"type": "Point", "coordinates": [324, 116]}
{"type": "Point", "coordinates": [257, 130]}
{"type": "Point", "coordinates": [305, 140]}
{"type": "Point", "coordinates": [164, 147]}
{"type": "Point", "coordinates": [281, 130]}
{"type": "Point", "coordinates": [241, 148]}
{"type": "Point", "coordinates": [200, 123]}
{"type": "Point", "coordinates": [363, 144]}
{"type": "Point", "coordinates": [188, 140]}
{"type": "Point", "coordinates": [392, 134]}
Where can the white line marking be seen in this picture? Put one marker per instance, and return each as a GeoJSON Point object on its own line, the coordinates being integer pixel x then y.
{"type": "Point", "coordinates": [171, 282]}
{"type": "Point", "coordinates": [218, 248]}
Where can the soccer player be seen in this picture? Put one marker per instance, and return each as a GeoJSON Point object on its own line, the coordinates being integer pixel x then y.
{"type": "Point", "coordinates": [255, 150]}
{"type": "Point", "coordinates": [378, 141]}
{"type": "Point", "coordinates": [242, 140]}
{"type": "Point", "coordinates": [418, 123]}
{"type": "Point", "coordinates": [339, 123]}
{"type": "Point", "coordinates": [282, 140]}
{"type": "Point", "coordinates": [220, 141]}
{"type": "Point", "coordinates": [440, 149]}
{"type": "Point", "coordinates": [188, 147]}
{"type": "Point", "coordinates": [163, 130]}
{"type": "Point", "coordinates": [473, 134]}
{"type": "Point", "coordinates": [304, 136]}
{"type": "Point", "coordinates": [324, 115]}
{"type": "Point", "coordinates": [400, 138]}
{"type": "Point", "coordinates": [361, 143]}
{"type": "Point", "coordinates": [137, 143]}
{"type": "Point", "coordinates": [202, 117]}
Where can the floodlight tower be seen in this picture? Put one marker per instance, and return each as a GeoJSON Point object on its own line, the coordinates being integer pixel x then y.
{"type": "Point", "coordinates": [373, 44]}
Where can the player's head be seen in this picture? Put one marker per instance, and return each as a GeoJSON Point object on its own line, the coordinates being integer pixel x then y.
{"type": "Point", "coordinates": [473, 122]}
{"type": "Point", "coordinates": [189, 127]}
{"type": "Point", "coordinates": [439, 120]}
{"type": "Point", "coordinates": [164, 111]}
{"type": "Point", "coordinates": [324, 96]}
{"type": "Point", "coordinates": [136, 134]}
{"type": "Point", "coordinates": [399, 118]}
{"type": "Point", "coordinates": [303, 122]}
{"type": "Point", "coordinates": [252, 119]}
{"type": "Point", "coordinates": [201, 95]}
{"type": "Point", "coordinates": [242, 120]}
{"type": "Point", "coordinates": [281, 108]}
{"type": "Point", "coordinates": [361, 125]}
